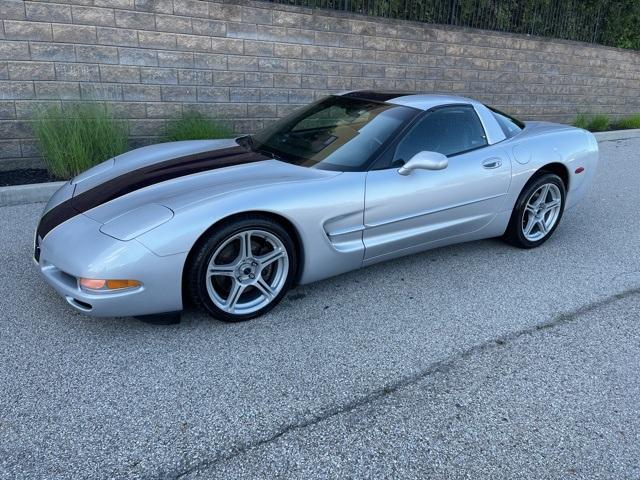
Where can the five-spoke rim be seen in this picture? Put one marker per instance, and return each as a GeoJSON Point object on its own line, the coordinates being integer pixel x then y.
{"type": "Point", "coordinates": [247, 271]}
{"type": "Point", "coordinates": [542, 212]}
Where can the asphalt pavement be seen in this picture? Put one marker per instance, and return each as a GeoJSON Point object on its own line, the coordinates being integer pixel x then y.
{"type": "Point", "coordinates": [472, 361]}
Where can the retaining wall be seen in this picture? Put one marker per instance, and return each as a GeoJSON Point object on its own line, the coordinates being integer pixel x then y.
{"type": "Point", "coordinates": [251, 62]}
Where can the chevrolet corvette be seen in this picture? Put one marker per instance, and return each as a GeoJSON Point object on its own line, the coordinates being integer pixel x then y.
{"type": "Point", "coordinates": [348, 181]}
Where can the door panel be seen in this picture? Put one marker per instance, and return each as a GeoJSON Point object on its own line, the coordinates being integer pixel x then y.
{"type": "Point", "coordinates": [425, 206]}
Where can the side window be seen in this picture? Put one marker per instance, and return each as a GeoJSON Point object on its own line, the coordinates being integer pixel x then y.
{"type": "Point", "coordinates": [447, 130]}
{"type": "Point", "coordinates": [509, 125]}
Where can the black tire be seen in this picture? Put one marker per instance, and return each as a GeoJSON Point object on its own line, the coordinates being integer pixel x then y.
{"type": "Point", "coordinates": [514, 234]}
{"type": "Point", "coordinates": [196, 269]}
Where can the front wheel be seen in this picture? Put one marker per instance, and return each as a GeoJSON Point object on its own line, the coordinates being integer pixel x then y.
{"type": "Point", "coordinates": [242, 269]}
{"type": "Point", "coordinates": [537, 212]}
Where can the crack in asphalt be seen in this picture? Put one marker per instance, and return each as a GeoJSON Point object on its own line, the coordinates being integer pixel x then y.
{"type": "Point", "coordinates": [617, 139]}
{"type": "Point", "coordinates": [442, 366]}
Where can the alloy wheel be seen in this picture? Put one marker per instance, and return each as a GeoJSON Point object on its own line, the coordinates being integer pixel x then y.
{"type": "Point", "coordinates": [541, 212]}
{"type": "Point", "coordinates": [247, 271]}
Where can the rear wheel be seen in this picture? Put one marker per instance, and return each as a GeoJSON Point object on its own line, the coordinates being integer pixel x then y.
{"type": "Point", "coordinates": [242, 269]}
{"type": "Point", "coordinates": [538, 211]}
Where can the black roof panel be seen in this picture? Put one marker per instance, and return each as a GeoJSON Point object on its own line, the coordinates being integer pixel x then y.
{"type": "Point", "coordinates": [376, 96]}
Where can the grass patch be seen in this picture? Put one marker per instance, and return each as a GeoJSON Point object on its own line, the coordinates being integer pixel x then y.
{"type": "Point", "coordinates": [627, 122]}
{"type": "Point", "coordinates": [75, 138]}
{"type": "Point", "coordinates": [195, 126]}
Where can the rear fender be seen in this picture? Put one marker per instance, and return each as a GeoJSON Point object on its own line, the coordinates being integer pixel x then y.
{"type": "Point", "coordinates": [574, 148]}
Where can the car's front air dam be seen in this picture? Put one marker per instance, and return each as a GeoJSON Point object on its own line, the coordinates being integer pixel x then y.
{"type": "Point", "coordinates": [77, 249]}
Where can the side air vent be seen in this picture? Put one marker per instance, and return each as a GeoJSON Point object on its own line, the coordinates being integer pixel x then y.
{"type": "Point", "coordinates": [79, 304]}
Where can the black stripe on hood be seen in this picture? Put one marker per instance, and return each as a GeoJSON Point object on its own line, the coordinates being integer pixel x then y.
{"type": "Point", "coordinates": [144, 177]}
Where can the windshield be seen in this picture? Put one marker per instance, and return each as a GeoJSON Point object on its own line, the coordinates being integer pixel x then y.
{"type": "Point", "coordinates": [336, 133]}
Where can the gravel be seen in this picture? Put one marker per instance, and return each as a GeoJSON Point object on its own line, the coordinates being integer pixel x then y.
{"type": "Point", "coordinates": [355, 376]}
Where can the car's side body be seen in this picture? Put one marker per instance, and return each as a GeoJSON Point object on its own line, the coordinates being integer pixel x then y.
{"type": "Point", "coordinates": [341, 220]}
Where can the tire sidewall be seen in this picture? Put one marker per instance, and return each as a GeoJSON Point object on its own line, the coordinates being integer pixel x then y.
{"type": "Point", "coordinates": [534, 184]}
{"type": "Point", "coordinates": [200, 262]}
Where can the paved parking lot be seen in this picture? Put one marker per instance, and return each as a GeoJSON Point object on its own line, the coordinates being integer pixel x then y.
{"type": "Point", "coordinates": [473, 361]}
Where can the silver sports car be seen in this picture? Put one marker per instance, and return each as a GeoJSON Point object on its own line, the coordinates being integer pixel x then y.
{"type": "Point", "coordinates": [348, 181]}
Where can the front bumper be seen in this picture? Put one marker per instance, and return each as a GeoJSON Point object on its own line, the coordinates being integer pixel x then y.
{"type": "Point", "coordinates": [78, 249]}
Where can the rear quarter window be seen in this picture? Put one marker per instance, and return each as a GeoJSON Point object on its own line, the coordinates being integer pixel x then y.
{"type": "Point", "coordinates": [509, 125]}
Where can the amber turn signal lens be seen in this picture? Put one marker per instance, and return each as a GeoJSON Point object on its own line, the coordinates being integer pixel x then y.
{"type": "Point", "coordinates": [94, 284]}
{"type": "Point", "coordinates": [115, 284]}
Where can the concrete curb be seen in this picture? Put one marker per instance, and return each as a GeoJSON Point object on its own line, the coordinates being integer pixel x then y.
{"type": "Point", "coordinates": [34, 193]}
{"type": "Point", "coordinates": [617, 135]}
{"type": "Point", "coordinates": [41, 192]}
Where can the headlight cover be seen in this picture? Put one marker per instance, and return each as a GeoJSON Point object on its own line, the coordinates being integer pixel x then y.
{"type": "Point", "coordinates": [137, 221]}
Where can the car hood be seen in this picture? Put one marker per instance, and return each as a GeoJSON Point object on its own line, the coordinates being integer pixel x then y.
{"type": "Point", "coordinates": [181, 193]}
{"type": "Point", "coordinates": [174, 175]}
{"type": "Point", "coordinates": [140, 158]}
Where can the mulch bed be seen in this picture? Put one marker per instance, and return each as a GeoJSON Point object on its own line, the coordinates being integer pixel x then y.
{"type": "Point", "coordinates": [24, 176]}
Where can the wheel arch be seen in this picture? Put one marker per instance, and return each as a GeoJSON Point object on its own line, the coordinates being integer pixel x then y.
{"type": "Point", "coordinates": [282, 220]}
{"type": "Point", "coordinates": [558, 169]}
{"type": "Point", "coordinates": [513, 233]}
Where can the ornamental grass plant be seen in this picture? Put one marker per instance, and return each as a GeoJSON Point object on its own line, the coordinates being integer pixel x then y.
{"type": "Point", "coordinates": [75, 137]}
{"type": "Point", "coordinates": [193, 125]}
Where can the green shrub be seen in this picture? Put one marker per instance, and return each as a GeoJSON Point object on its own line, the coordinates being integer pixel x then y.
{"type": "Point", "coordinates": [593, 123]}
{"type": "Point", "coordinates": [195, 126]}
{"type": "Point", "coordinates": [581, 121]}
{"type": "Point", "coordinates": [599, 123]}
{"type": "Point", "coordinates": [627, 122]}
{"type": "Point", "coordinates": [77, 137]}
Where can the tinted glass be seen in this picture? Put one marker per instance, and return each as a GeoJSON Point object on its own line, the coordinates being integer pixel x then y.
{"type": "Point", "coordinates": [509, 125]}
{"type": "Point", "coordinates": [337, 133]}
{"type": "Point", "coordinates": [448, 130]}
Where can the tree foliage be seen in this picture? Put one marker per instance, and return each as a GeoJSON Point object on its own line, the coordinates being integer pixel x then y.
{"type": "Point", "coordinates": [622, 25]}
{"type": "Point", "coordinates": [610, 22]}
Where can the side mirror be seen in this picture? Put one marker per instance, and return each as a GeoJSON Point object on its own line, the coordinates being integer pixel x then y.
{"type": "Point", "coordinates": [424, 161]}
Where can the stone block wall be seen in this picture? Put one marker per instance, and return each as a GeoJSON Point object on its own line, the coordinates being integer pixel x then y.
{"type": "Point", "coordinates": [249, 63]}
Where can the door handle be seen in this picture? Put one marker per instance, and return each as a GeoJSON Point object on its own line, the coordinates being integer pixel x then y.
{"type": "Point", "coordinates": [492, 163]}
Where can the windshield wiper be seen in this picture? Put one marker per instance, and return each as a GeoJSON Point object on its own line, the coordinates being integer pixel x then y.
{"type": "Point", "coordinates": [275, 156]}
{"type": "Point", "coordinates": [247, 141]}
